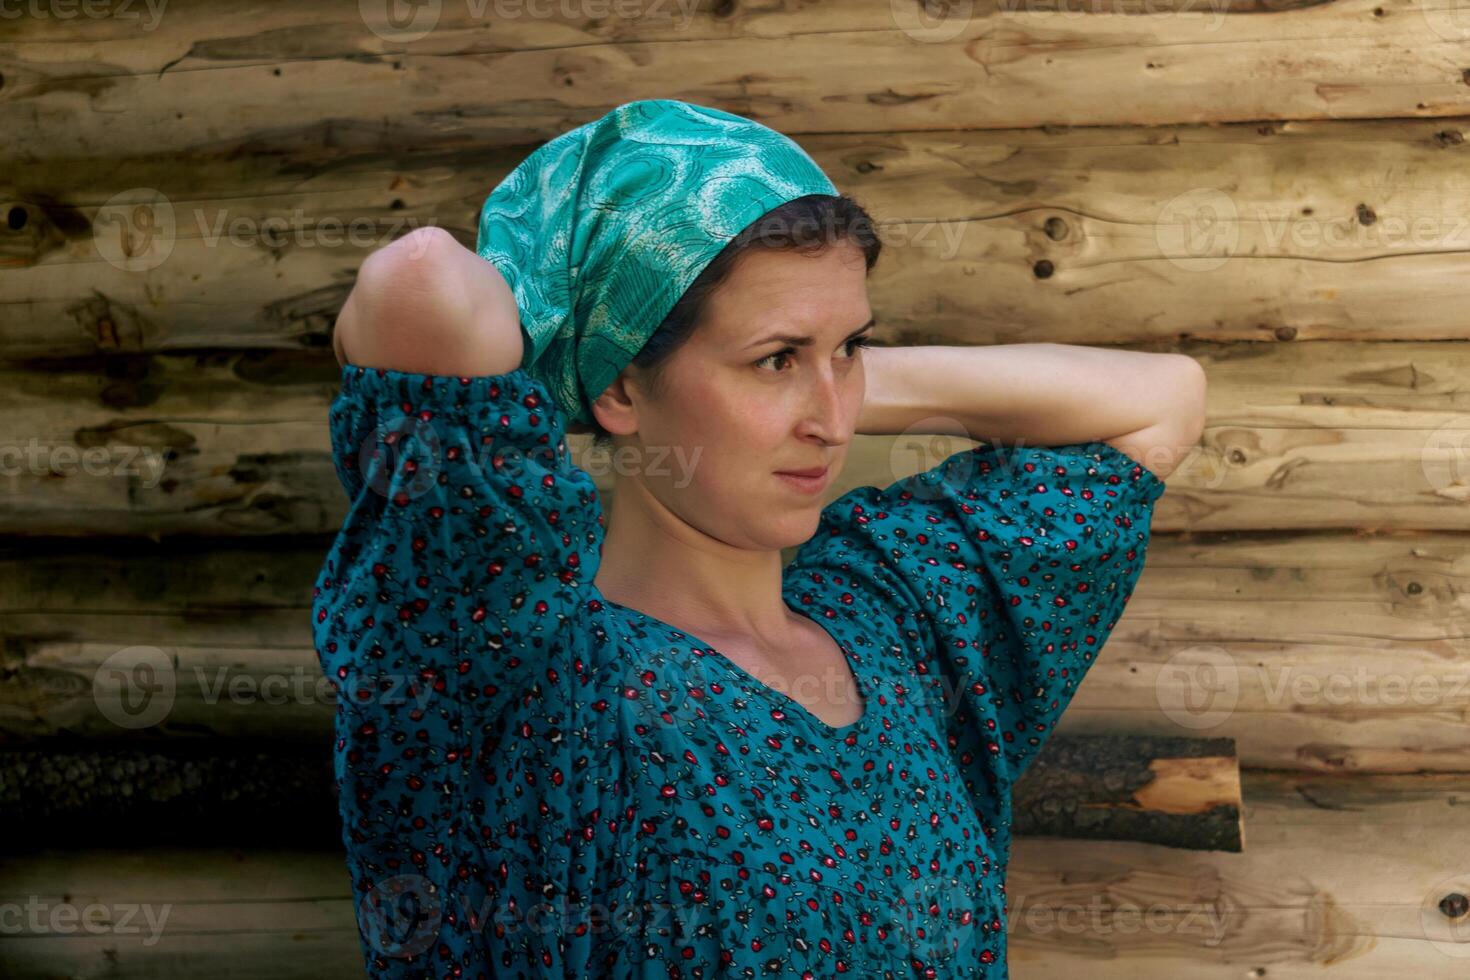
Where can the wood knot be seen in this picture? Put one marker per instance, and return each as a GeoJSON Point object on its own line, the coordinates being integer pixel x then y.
{"type": "Point", "coordinates": [1366, 215]}
{"type": "Point", "coordinates": [1043, 269]}
{"type": "Point", "coordinates": [1055, 228]}
{"type": "Point", "coordinates": [1454, 905]}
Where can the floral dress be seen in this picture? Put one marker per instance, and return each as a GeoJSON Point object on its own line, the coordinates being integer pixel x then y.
{"type": "Point", "coordinates": [535, 781]}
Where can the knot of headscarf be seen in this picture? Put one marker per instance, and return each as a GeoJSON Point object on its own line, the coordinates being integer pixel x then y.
{"type": "Point", "coordinates": [601, 230]}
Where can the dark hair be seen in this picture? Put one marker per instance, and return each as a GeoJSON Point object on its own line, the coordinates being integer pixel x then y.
{"type": "Point", "coordinates": [807, 224]}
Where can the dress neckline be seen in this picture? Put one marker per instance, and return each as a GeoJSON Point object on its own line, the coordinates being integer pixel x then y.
{"type": "Point", "coordinates": [778, 698]}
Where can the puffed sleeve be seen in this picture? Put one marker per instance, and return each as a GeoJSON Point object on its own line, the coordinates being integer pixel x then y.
{"type": "Point", "coordinates": [470, 539]}
{"type": "Point", "coordinates": [1008, 569]}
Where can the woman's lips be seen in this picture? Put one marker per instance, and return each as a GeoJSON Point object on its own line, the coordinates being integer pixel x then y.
{"type": "Point", "coordinates": [807, 481]}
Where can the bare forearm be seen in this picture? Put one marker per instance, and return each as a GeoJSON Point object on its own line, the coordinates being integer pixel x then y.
{"type": "Point", "coordinates": [1148, 405]}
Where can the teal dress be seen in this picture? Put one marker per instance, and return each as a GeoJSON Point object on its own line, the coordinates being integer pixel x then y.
{"type": "Point", "coordinates": [535, 781]}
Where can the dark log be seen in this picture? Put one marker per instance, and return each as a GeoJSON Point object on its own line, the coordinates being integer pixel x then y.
{"type": "Point", "coordinates": [1179, 792]}
{"type": "Point", "coordinates": [202, 792]}
{"type": "Point", "coordinates": [231, 791]}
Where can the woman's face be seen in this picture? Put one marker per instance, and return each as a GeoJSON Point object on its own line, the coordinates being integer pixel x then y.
{"type": "Point", "coordinates": [771, 380]}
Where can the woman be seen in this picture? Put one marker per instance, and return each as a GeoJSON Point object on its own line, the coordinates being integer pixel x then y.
{"type": "Point", "coordinates": [656, 752]}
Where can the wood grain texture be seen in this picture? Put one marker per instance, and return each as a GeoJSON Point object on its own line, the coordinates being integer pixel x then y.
{"type": "Point", "coordinates": [1319, 652]}
{"type": "Point", "coordinates": [1336, 230]}
{"type": "Point", "coordinates": [208, 78]}
{"type": "Point", "coordinates": [1299, 437]}
{"type": "Point", "coordinates": [1343, 879]}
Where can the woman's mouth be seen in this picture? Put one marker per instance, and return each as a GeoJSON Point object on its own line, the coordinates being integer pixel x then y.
{"type": "Point", "coordinates": [807, 481]}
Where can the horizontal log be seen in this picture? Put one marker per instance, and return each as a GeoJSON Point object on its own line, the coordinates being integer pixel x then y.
{"type": "Point", "coordinates": [200, 791]}
{"type": "Point", "coordinates": [1178, 792]}
{"type": "Point", "coordinates": [1324, 652]}
{"type": "Point", "coordinates": [179, 911]}
{"type": "Point", "coordinates": [1345, 879]}
{"type": "Point", "coordinates": [1181, 793]}
{"type": "Point", "coordinates": [321, 74]}
{"type": "Point", "coordinates": [1340, 230]}
{"type": "Point", "coordinates": [1324, 435]}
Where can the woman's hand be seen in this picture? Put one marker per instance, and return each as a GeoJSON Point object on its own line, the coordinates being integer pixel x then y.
{"type": "Point", "coordinates": [424, 303]}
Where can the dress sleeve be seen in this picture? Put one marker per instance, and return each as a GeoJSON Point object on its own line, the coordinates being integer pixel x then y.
{"type": "Point", "coordinates": [1008, 568]}
{"type": "Point", "coordinates": [470, 539]}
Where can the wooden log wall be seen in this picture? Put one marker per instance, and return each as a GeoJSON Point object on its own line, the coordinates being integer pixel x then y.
{"type": "Point", "coordinates": [1278, 189]}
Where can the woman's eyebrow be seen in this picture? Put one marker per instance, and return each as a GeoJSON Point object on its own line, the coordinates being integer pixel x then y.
{"type": "Point", "coordinates": [806, 341]}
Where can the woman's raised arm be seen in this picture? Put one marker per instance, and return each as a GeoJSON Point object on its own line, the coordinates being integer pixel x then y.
{"type": "Point", "coordinates": [424, 303]}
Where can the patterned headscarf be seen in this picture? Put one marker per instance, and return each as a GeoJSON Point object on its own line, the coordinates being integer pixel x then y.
{"type": "Point", "coordinates": [602, 229]}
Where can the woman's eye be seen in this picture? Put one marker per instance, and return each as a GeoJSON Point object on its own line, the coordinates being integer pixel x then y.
{"type": "Point", "coordinates": [771, 357]}
{"type": "Point", "coordinates": [853, 346]}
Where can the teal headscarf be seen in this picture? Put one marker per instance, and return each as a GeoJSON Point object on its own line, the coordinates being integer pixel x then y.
{"type": "Point", "coordinates": [602, 229]}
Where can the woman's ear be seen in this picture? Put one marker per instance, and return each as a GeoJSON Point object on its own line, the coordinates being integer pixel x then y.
{"type": "Point", "coordinates": [614, 409]}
